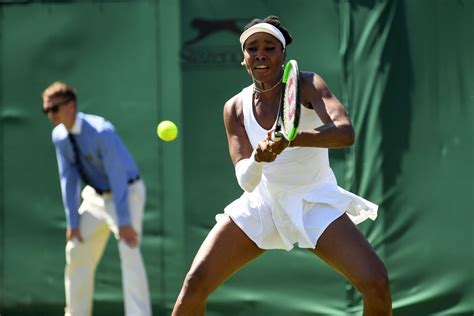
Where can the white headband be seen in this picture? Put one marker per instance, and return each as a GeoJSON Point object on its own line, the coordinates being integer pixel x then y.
{"type": "Point", "coordinates": [264, 28]}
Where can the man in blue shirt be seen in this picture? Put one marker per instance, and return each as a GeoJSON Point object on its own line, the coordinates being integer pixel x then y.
{"type": "Point", "coordinates": [89, 151]}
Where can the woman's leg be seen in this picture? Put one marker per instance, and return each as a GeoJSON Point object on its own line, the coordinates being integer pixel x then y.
{"type": "Point", "coordinates": [224, 251]}
{"type": "Point", "coordinates": [346, 249]}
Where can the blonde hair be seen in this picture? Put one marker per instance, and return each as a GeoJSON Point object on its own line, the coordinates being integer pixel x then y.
{"type": "Point", "coordinates": [60, 89]}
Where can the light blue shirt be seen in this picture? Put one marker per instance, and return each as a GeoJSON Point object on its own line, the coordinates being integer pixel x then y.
{"type": "Point", "coordinates": [106, 162]}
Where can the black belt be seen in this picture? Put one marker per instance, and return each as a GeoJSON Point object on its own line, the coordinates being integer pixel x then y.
{"type": "Point", "coordinates": [130, 181]}
{"type": "Point", "coordinates": [133, 180]}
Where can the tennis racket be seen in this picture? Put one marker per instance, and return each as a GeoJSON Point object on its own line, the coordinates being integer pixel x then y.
{"type": "Point", "coordinates": [290, 107]}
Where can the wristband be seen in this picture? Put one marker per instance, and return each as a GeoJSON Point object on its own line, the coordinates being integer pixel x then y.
{"type": "Point", "coordinates": [249, 173]}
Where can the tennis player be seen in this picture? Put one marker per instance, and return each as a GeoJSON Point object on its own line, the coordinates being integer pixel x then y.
{"type": "Point", "coordinates": [291, 195]}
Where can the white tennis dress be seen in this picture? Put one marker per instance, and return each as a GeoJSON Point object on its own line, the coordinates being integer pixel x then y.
{"type": "Point", "coordinates": [298, 196]}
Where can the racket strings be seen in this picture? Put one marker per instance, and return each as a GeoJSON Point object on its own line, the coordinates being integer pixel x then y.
{"type": "Point", "coordinates": [290, 115]}
{"type": "Point", "coordinates": [289, 108]}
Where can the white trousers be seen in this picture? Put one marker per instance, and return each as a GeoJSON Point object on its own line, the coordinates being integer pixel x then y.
{"type": "Point", "coordinates": [97, 220]}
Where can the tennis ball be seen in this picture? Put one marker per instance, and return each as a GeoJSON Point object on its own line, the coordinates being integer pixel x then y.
{"type": "Point", "coordinates": [167, 131]}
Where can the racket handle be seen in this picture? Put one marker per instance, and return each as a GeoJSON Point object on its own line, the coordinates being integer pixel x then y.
{"type": "Point", "coordinates": [276, 136]}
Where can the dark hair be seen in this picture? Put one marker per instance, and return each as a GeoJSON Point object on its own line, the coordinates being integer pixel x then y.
{"type": "Point", "coordinates": [275, 21]}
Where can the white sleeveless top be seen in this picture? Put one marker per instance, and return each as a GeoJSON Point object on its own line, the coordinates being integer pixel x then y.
{"type": "Point", "coordinates": [300, 182]}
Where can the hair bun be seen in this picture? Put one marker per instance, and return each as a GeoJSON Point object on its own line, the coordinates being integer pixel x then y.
{"type": "Point", "coordinates": [275, 21]}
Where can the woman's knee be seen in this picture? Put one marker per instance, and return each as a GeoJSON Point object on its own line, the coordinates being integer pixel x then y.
{"type": "Point", "coordinates": [196, 287]}
{"type": "Point", "coordinates": [375, 283]}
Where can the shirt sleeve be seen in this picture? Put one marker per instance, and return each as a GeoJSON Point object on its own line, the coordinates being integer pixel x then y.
{"type": "Point", "coordinates": [70, 187]}
{"type": "Point", "coordinates": [116, 170]}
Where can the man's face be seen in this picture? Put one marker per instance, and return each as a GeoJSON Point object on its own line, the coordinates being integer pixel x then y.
{"type": "Point", "coordinates": [58, 109]}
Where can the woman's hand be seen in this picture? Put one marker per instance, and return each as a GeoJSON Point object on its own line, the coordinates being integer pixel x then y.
{"type": "Point", "coordinates": [268, 149]}
{"type": "Point", "coordinates": [277, 145]}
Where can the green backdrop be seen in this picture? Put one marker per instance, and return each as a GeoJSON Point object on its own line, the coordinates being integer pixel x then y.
{"type": "Point", "coordinates": [403, 69]}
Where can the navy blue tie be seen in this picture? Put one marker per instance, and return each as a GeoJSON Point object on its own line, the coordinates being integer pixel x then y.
{"type": "Point", "coordinates": [77, 157]}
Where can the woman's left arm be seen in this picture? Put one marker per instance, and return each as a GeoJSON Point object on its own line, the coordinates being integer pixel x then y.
{"type": "Point", "coordinates": [337, 130]}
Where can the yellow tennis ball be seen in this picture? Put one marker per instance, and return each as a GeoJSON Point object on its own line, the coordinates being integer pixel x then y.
{"type": "Point", "coordinates": [167, 131]}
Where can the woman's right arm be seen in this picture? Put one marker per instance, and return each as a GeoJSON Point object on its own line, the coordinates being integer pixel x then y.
{"type": "Point", "coordinates": [248, 163]}
{"type": "Point", "coordinates": [237, 139]}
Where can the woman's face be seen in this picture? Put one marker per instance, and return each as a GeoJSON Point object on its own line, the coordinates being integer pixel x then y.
{"type": "Point", "coordinates": [264, 56]}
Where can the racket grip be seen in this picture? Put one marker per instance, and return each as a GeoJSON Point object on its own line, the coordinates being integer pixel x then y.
{"type": "Point", "coordinates": [276, 136]}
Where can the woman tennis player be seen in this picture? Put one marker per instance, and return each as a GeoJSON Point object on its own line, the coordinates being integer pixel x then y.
{"type": "Point", "coordinates": [291, 195]}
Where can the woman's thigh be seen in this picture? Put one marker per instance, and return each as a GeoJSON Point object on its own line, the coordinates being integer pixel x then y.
{"type": "Point", "coordinates": [225, 250]}
{"type": "Point", "coordinates": [345, 248]}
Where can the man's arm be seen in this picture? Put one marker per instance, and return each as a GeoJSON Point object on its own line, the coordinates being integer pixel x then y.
{"type": "Point", "coordinates": [70, 186]}
{"type": "Point", "coordinates": [116, 169]}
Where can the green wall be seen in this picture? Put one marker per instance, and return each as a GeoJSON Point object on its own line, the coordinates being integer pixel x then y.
{"type": "Point", "coordinates": [403, 69]}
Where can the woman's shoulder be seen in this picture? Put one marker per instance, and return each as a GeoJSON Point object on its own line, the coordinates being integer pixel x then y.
{"type": "Point", "coordinates": [313, 87]}
{"type": "Point", "coordinates": [234, 107]}
{"type": "Point", "coordinates": [312, 82]}
{"type": "Point", "coordinates": [235, 103]}
{"type": "Point", "coordinates": [308, 77]}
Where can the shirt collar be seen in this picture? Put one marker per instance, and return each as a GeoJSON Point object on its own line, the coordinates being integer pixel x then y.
{"type": "Point", "coordinates": [77, 127]}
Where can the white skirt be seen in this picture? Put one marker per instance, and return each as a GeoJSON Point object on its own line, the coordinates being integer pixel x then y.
{"type": "Point", "coordinates": [276, 219]}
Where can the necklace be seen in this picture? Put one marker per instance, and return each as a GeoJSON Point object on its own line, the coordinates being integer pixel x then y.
{"type": "Point", "coordinates": [258, 90]}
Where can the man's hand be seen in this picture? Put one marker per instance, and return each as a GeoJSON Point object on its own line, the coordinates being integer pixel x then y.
{"type": "Point", "coordinates": [73, 233]}
{"type": "Point", "coordinates": [128, 235]}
